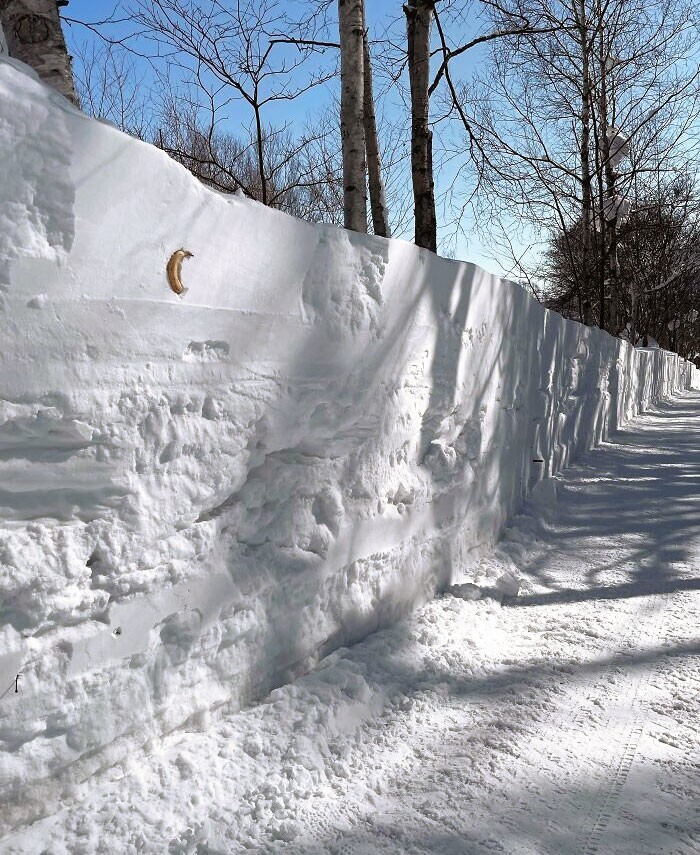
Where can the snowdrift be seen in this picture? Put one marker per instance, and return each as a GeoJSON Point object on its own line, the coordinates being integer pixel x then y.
{"type": "Point", "coordinates": [201, 495]}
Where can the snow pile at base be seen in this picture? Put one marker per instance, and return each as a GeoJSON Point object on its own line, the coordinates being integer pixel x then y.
{"type": "Point", "coordinates": [201, 495]}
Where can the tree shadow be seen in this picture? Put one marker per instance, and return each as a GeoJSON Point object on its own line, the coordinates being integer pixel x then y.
{"type": "Point", "coordinates": [606, 592]}
{"type": "Point", "coordinates": [470, 824]}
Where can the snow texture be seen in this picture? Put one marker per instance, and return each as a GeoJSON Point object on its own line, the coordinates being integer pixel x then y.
{"type": "Point", "coordinates": [203, 495]}
{"type": "Point", "coordinates": [563, 723]}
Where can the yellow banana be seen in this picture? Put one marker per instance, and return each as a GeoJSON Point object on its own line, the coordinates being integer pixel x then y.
{"type": "Point", "coordinates": [174, 269]}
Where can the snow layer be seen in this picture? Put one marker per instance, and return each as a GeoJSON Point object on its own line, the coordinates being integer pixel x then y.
{"type": "Point", "coordinates": [561, 721]}
{"type": "Point", "coordinates": [203, 495]}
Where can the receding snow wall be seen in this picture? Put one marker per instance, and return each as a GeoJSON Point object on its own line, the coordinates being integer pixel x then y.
{"type": "Point", "coordinates": [201, 495]}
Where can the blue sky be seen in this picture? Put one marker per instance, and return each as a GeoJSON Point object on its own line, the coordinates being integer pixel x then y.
{"type": "Point", "coordinates": [380, 14]}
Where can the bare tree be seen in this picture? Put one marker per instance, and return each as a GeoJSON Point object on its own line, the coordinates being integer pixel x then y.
{"type": "Point", "coordinates": [352, 125]}
{"type": "Point", "coordinates": [302, 174]}
{"type": "Point", "coordinates": [573, 115]}
{"type": "Point", "coordinates": [235, 57]}
{"type": "Point", "coordinates": [217, 59]}
{"type": "Point", "coordinates": [419, 14]}
{"type": "Point", "coordinates": [446, 41]}
{"type": "Point", "coordinates": [33, 33]}
{"type": "Point", "coordinates": [659, 264]}
{"type": "Point", "coordinates": [377, 190]}
{"type": "Point", "coordinates": [583, 38]}
{"type": "Point", "coordinates": [321, 161]}
{"type": "Point", "coordinates": [111, 88]}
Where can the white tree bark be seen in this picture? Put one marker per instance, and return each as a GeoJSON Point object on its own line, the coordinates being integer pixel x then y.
{"type": "Point", "coordinates": [352, 128]}
{"type": "Point", "coordinates": [377, 191]}
{"type": "Point", "coordinates": [33, 33]}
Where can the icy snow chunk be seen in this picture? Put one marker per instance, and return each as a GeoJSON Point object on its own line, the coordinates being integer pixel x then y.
{"type": "Point", "coordinates": [38, 302]}
{"type": "Point", "coordinates": [508, 584]}
{"type": "Point", "coordinates": [206, 351]}
{"type": "Point", "coordinates": [466, 591]}
{"type": "Point", "coordinates": [253, 746]}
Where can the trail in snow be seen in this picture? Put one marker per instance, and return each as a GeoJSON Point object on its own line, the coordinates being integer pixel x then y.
{"type": "Point", "coordinates": [565, 719]}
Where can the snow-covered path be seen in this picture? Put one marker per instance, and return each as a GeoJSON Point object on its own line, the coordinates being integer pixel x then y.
{"type": "Point", "coordinates": [563, 720]}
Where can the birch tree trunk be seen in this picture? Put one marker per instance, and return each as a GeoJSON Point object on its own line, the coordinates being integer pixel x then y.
{"type": "Point", "coordinates": [33, 32]}
{"type": "Point", "coordinates": [419, 14]}
{"type": "Point", "coordinates": [586, 177]}
{"type": "Point", "coordinates": [610, 265]}
{"type": "Point", "coordinates": [377, 192]}
{"type": "Point", "coordinates": [352, 128]}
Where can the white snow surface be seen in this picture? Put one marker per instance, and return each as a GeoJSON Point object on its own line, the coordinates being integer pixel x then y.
{"type": "Point", "coordinates": [201, 496]}
{"type": "Point", "coordinates": [562, 720]}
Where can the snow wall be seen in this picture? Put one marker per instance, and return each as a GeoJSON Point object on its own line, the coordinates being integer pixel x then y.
{"type": "Point", "coordinates": [201, 495]}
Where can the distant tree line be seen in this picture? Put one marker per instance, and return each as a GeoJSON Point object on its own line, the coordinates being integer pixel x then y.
{"type": "Point", "coordinates": [591, 134]}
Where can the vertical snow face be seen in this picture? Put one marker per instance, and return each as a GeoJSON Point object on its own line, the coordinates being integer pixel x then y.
{"type": "Point", "coordinates": [201, 495]}
{"type": "Point", "coordinates": [36, 219]}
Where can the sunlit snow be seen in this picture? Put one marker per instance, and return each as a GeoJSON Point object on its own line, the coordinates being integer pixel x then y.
{"type": "Point", "coordinates": [220, 511]}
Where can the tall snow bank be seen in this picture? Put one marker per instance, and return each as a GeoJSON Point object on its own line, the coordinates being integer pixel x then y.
{"type": "Point", "coordinates": [694, 377]}
{"type": "Point", "coordinates": [201, 495]}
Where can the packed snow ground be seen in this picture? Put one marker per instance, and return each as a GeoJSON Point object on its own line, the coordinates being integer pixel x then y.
{"type": "Point", "coordinates": [563, 719]}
